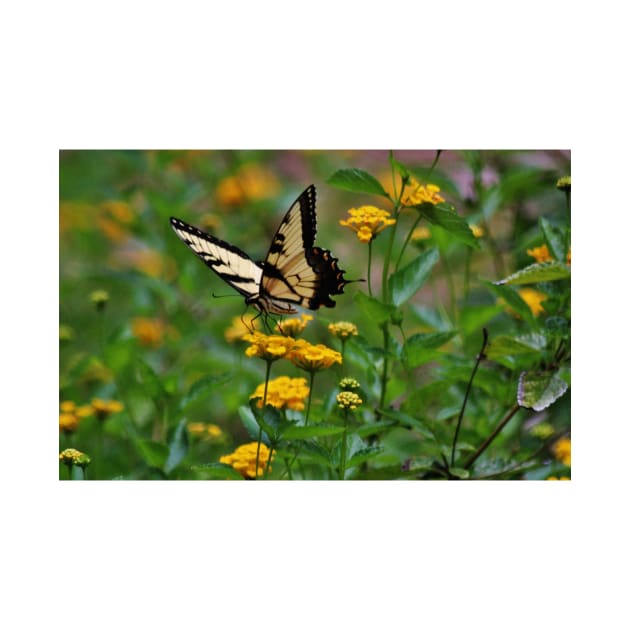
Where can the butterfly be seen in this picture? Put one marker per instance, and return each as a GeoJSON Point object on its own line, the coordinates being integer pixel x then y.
{"type": "Point", "coordinates": [295, 272]}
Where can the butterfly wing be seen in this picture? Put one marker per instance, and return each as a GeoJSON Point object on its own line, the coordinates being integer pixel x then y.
{"type": "Point", "coordinates": [230, 263]}
{"type": "Point", "coordinates": [295, 272]}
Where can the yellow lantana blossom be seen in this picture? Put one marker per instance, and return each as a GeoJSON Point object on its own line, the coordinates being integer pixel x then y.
{"type": "Point", "coordinates": [540, 254]}
{"type": "Point", "coordinates": [206, 432]}
{"type": "Point", "coordinates": [416, 193]}
{"type": "Point", "coordinates": [283, 392]}
{"type": "Point", "coordinates": [343, 330]}
{"type": "Point", "coordinates": [477, 230]}
{"type": "Point", "coordinates": [73, 457]}
{"type": "Point", "coordinates": [293, 326]}
{"type": "Point", "coordinates": [243, 459]}
{"type": "Point", "coordinates": [313, 358]}
{"type": "Point", "coordinates": [367, 222]}
{"type": "Point", "coordinates": [149, 331]}
{"type": "Point", "coordinates": [268, 347]}
{"type": "Point", "coordinates": [562, 451]}
{"type": "Point", "coordinates": [240, 327]}
{"type": "Point", "coordinates": [348, 400]}
{"type": "Point", "coordinates": [533, 299]}
{"type": "Point", "coordinates": [71, 415]}
{"type": "Point", "coordinates": [421, 233]}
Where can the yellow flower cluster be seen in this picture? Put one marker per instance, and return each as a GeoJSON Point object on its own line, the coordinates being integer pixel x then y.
{"type": "Point", "coordinates": [343, 330]}
{"type": "Point", "coordinates": [293, 326]}
{"type": "Point", "coordinates": [540, 254]}
{"type": "Point", "coordinates": [562, 451]}
{"type": "Point", "coordinates": [554, 478]}
{"type": "Point", "coordinates": [348, 400]}
{"type": "Point", "coordinates": [367, 222]}
{"type": "Point", "coordinates": [71, 415]}
{"type": "Point", "coordinates": [99, 298]}
{"type": "Point", "coordinates": [268, 347]}
{"type": "Point", "coordinates": [313, 358]}
{"type": "Point", "coordinates": [416, 193]}
{"type": "Point", "coordinates": [104, 408]}
{"type": "Point", "coordinates": [477, 230]}
{"type": "Point", "coordinates": [421, 233]}
{"type": "Point", "coordinates": [72, 457]}
{"type": "Point", "coordinates": [206, 432]}
{"type": "Point", "coordinates": [243, 459]}
{"type": "Point", "coordinates": [283, 392]}
{"type": "Point", "coordinates": [348, 384]}
{"type": "Point", "coordinates": [533, 299]}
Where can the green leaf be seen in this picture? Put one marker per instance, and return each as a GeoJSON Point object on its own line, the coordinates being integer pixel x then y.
{"type": "Point", "coordinates": [504, 345]}
{"type": "Point", "coordinates": [363, 455]}
{"type": "Point", "coordinates": [558, 327]}
{"type": "Point", "coordinates": [356, 180]}
{"type": "Point", "coordinates": [406, 281]}
{"type": "Point", "coordinates": [514, 301]}
{"type": "Point", "coordinates": [403, 171]}
{"type": "Point", "coordinates": [374, 309]}
{"type": "Point", "coordinates": [444, 215]}
{"type": "Point", "coordinates": [472, 318]}
{"type": "Point", "coordinates": [419, 348]}
{"type": "Point", "coordinates": [538, 390]}
{"type": "Point", "coordinates": [538, 272]}
{"type": "Point", "coordinates": [153, 453]}
{"type": "Point", "coordinates": [150, 380]}
{"type": "Point", "coordinates": [199, 389]}
{"type": "Point", "coordinates": [178, 447]}
{"type": "Point", "coordinates": [217, 471]}
{"type": "Point", "coordinates": [315, 430]}
{"type": "Point", "coordinates": [251, 425]}
{"type": "Point", "coordinates": [555, 238]}
{"type": "Point", "coordinates": [460, 473]}
{"type": "Point", "coordinates": [408, 421]}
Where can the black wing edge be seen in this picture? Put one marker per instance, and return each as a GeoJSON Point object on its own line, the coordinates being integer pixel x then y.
{"type": "Point", "coordinates": [330, 280]}
{"type": "Point", "coordinates": [307, 202]}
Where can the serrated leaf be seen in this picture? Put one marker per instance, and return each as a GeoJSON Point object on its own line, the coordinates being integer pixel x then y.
{"type": "Point", "coordinates": [177, 448]}
{"type": "Point", "coordinates": [504, 345]}
{"type": "Point", "coordinates": [538, 272]}
{"type": "Point", "coordinates": [357, 180]}
{"type": "Point", "coordinates": [374, 309]}
{"type": "Point", "coordinates": [554, 236]}
{"type": "Point", "coordinates": [406, 281]}
{"type": "Point", "coordinates": [444, 215]}
{"type": "Point", "coordinates": [153, 453]}
{"type": "Point", "coordinates": [538, 390]}
{"type": "Point", "coordinates": [363, 455]}
{"type": "Point", "coordinates": [420, 348]}
{"type": "Point", "coordinates": [315, 430]}
{"type": "Point", "coordinates": [200, 388]}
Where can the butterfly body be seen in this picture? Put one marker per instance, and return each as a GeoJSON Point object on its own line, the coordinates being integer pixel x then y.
{"type": "Point", "coordinates": [294, 272]}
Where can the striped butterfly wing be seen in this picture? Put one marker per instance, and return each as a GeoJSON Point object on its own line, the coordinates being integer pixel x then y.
{"type": "Point", "coordinates": [230, 263]}
{"type": "Point", "coordinates": [294, 271]}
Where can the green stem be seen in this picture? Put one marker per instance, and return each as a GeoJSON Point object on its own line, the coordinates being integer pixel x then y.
{"type": "Point", "coordinates": [473, 458]}
{"type": "Point", "coordinates": [369, 267]}
{"type": "Point", "coordinates": [402, 249]}
{"type": "Point", "coordinates": [451, 289]}
{"type": "Point", "coordinates": [308, 411]}
{"type": "Point", "coordinates": [480, 356]}
{"type": "Point", "coordinates": [384, 375]}
{"type": "Point", "coordinates": [344, 446]}
{"type": "Point", "coordinates": [260, 431]}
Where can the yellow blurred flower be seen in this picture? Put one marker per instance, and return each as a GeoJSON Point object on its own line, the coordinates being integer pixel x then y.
{"type": "Point", "coordinates": [120, 210]}
{"type": "Point", "coordinates": [367, 222]}
{"type": "Point", "coordinates": [421, 233]}
{"type": "Point", "coordinates": [105, 408]}
{"type": "Point", "coordinates": [533, 299]}
{"type": "Point", "coordinates": [477, 230]}
{"type": "Point", "coordinates": [66, 333]}
{"type": "Point", "coordinates": [268, 347]}
{"type": "Point", "coordinates": [569, 256]}
{"type": "Point", "coordinates": [553, 478]}
{"type": "Point", "coordinates": [71, 415]}
{"type": "Point", "coordinates": [293, 326]}
{"type": "Point", "coordinates": [206, 432]}
{"type": "Point", "coordinates": [540, 254]}
{"type": "Point", "coordinates": [243, 459]}
{"type": "Point", "coordinates": [99, 298]}
{"type": "Point", "coordinates": [416, 193]}
{"type": "Point", "coordinates": [313, 358]}
{"type": "Point", "coordinates": [144, 259]}
{"type": "Point", "coordinates": [283, 392]}
{"type": "Point", "coordinates": [348, 384]}
{"type": "Point", "coordinates": [252, 182]}
{"type": "Point", "coordinates": [343, 330]}
{"type": "Point", "coordinates": [564, 183]}
{"type": "Point", "coordinates": [348, 400]}
{"type": "Point", "coordinates": [148, 331]}
{"type": "Point", "coordinates": [240, 327]}
{"type": "Point", "coordinates": [562, 451]}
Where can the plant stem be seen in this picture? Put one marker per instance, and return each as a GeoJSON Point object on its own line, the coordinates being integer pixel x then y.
{"type": "Point", "coordinates": [473, 458]}
{"type": "Point", "coordinates": [260, 431]}
{"type": "Point", "coordinates": [480, 356]}
{"type": "Point", "coordinates": [344, 446]}
{"type": "Point", "coordinates": [308, 411]}
{"type": "Point", "coordinates": [402, 249]}
{"type": "Point", "coordinates": [369, 269]}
